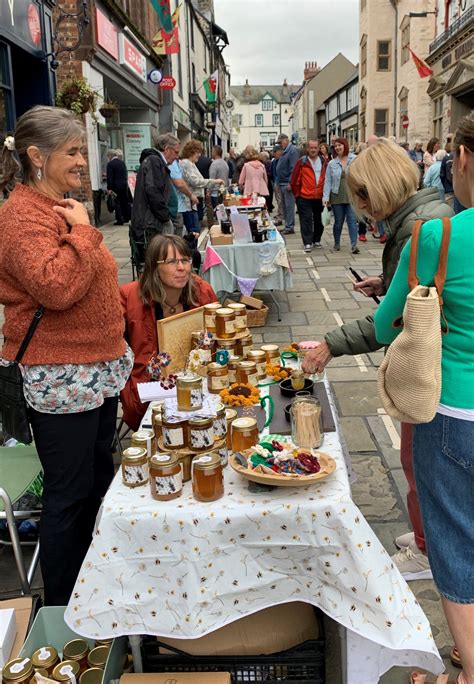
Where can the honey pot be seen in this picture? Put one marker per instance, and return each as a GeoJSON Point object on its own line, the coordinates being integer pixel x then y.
{"type": "Point", "coordinates": [232, 366]}
{"type": "Point", "coordinates": [189, 391]}
{"type": "Point", "coordinates": [78, 649]}
{"type": "Point", "coordinates": [201, 433]}
{"type": "Point", "coordinates": [246, 372]}
{"type": "Point", "coordinates": [258, 357]}
{"type": "Point", "coordinates": [208, 482]}
{"type": "Point", "coordinates": [244, 433]}
{"type": "Point", "coordinates": [144, 440]}
{"type": "Point", "coordinates": [217, 377]}
{"type": "Point", "coordinates": [244, 345]}
{"type": "Point", "coordinates": [272, 352]}
{"type": "Point", "coordinates": [17, 671]}
{"type": "Point", "coordinates": [210, 316]}
{"type": "Point", "coordinates": [65, 671]}
{"type": "Point", "coordinates": [225, 324]}
{"type": "Point", "coordinates": [230, 415]}
{"type": "Point", "coordinates": [166, 479]}
{"type": "Point", "coordinates": [174, 432]}
{"type": "Point", "coordinates": [45, 658]}
{"type": "Point", "coordinates": [240, 311]}
{"type": "Point", "coordinates": [134, 474]}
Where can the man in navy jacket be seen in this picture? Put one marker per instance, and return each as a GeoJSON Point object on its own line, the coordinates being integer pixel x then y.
{"type": "Point", "coordinates": [117, 182]}
{"type": "Point", "coordinates": [286, 164]}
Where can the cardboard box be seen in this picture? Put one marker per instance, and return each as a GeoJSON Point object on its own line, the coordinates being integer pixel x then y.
{"type": "Point", "coordinates": [252, 302]}
{"type": "Point", "coordinates": [7, 633]}
{"type": "Point", "coordinates": [22, 607]}
{"type": "Point", "coordinates": [218, 238]}
{"type": "Point", "coordinates": [177, 678]}
{"type": "Point", "coordinates": [268, 631]}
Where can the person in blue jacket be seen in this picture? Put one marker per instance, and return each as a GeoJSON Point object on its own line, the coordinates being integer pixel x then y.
{"type": "Point", "coordinates": [286, 164]}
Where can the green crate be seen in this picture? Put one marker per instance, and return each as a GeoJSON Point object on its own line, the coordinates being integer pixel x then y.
{"type": "Point", "coordinates": [49, 629]}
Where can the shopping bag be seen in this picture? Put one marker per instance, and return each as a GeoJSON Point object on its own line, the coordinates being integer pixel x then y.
{"type": "Point", "coordinates": [326, 217]}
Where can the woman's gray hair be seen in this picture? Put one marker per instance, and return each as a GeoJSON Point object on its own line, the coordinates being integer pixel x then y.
{"type": "Point", "coordinates": [47, 128]}
{"type": "Point", "coordinates": [166, 140]}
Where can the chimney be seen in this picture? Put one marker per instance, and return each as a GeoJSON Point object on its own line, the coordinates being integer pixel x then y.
{"type": "Point", "coordinates": [247, 88]}
{"type": "Point", "coordinates": [310, 70]}
{"type": "Point", "coordinates": [285, 89]}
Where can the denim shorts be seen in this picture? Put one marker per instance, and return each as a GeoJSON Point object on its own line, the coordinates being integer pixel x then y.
{"type": "Point", "coordinates": [443, 460]}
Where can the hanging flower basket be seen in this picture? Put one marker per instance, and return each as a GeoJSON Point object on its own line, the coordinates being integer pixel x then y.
{"type": "Point", "coordinates": [78, 96]}
{"type": "Point", "coordinates": [108, 110]}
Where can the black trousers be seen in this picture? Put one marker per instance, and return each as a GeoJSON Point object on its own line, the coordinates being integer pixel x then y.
{"type": "Point", "coordinates": [310, 211]}
{"type": "Point", "coordinates": [75, 450]}
{"type": "Point", "coordinates": [122, 206]}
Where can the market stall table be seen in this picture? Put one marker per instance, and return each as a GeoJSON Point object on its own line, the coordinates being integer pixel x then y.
{"type": "Point", "coordinates": [183, 569]}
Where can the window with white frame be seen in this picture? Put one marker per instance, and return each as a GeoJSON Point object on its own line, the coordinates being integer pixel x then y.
{"type": "Point", "coordinates": [267, 104]}
{"type": "Point", "coordinates": [332, 109]}
{"type": "Point", "coordinates": [259, 119]}
{"type": "Point", "coordinates": [276, 120]}
{"type": "Point", "coordinates": [263, 139]}
{"type": "Point", "coordinates": [272, 139]}
{"type": "Point", "coordinates": [351, 98]}
{"type": "Point", "coordinates": [405, 40]}
{"type": "Point", "coordinates": [342, 102]}
{"type": "Point", "coordinates": [381, 123]}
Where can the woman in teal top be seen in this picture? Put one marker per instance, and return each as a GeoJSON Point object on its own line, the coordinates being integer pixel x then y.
{"type": "Point", "coordinates": [443, 450]}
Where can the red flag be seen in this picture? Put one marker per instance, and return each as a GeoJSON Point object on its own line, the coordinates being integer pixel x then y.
{"type": "Point", "coordinates": [171, 41]}
{"type": "Point", "coordinates": [423, 69]}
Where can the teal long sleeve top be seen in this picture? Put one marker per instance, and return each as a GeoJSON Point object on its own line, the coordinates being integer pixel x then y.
{"type": "Point", "coordinates": [458, 295]}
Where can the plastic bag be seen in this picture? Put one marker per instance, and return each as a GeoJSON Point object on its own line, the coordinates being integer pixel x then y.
{"type": "Point", "coordinates": [326, 216]}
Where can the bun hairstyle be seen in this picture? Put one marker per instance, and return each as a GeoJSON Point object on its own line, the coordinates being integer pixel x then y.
{"type": "Point", "coordinates": [46, 128]}
{"type": "Point", "coordinates": [465, 134]}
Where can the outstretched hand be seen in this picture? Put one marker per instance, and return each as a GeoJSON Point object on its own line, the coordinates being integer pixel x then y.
{"type": "Point", "coordinates": [316, 360]}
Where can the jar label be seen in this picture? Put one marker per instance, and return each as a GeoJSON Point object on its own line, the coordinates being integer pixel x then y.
{"type": "Point", "coordinates": [196, 398]}
{"type": "Point", "coordinates": [203, 459]}
{"type": "Point", "coordinates": [252, 378]}
{"type": "Point", "coordinates": [201, 439]}
{"type": "Point", "coordinates": [241, 322]}
{"type": "Point", "coordinates": [224, 456]}
{"type": "Point", "coordinates": [246, 348]}
{"type": "Point", "coordinates": [135, 474]}
{"type": "Point", "coordinates": [170, 484]}
{"type": "Point", "coordinates": [220, 427]}
{"type": "Point", "coordinates": [229, 327]}
{"type": "Point", "coordinates": [210, 320]}
{"type": "Point", "coordinates": [218, 382]}
{"type": "Point", "coordinates": [162, 458]}
{"type": "Point", "coordinates": [261, 368]}
{"type": "Point", "coordinates": [173, 436]}
{"type": "Point", "coordinates": [232, 376]}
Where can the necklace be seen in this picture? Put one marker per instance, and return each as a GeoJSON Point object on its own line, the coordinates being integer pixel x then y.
{"type": "Point", "coordinates": [171, 308]}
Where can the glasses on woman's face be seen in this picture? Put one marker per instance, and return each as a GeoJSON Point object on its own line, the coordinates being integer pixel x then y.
{"type": "Point", "coordinates": [174, 263]}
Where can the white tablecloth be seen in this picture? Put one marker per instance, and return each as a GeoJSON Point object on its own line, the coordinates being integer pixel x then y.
{"type": "Point", "coordinates": [183, 568]}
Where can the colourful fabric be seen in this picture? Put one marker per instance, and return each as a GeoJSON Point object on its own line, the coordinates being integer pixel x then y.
{"type": "Point", "coordinates": [211, 258]}
{"type": "Point", "coordinates": [162, 8]}
{"type": "Point", "coordinates": [253, 178]}
{"type": "Point", "coordinates": [70, 272]}
{"type": "Point", "coordinates": [210, 86]}
{"type": "Point", "coordinates": [246, 285]}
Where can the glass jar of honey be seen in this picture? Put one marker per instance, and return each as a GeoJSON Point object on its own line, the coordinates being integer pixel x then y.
{"type": "Point", "coordinates": [223, 452]}
{"type": "Point", "coordinates": [232, 366]}
{"type": "Point", "coordinates": [189, 391]}
{"type": "Point", "coordinates": [208, 482]}
{"type": "Point", "coordinates": [17, 671]}
{"type": "Point", "coordinates": [158, 427]}
{"type": "Point", "coordinates": [200, 433]}
{"type": "Point", "coordinates": [244, 433]}
{"type": "Point", "coordinates": [166, 477]}
{"type": "Point", "coordinates": [220, 423]}
{"type": "Point", "coordinates": [93, 675]}
{"type": "Point", "coordinates": [225, 324]}
{"type": "Point", "coordinates": [65, 671]}
{"type": "Point", "coordinates": [227, 345]}
{"type": "Point", "coordinates": [246, 372]}
{"type": "Point", "coordinates": [297, 379]}
{"type": "Point", "coordinates": [244, 345]}
{"type": "Point", "coordinates": [45, 658]}
{"type": "Point", "coordinates": [272, 353]}
{"type": "Point", "coordinates": [230, 415]}
{"type": "Point", "coordinates": [258, 357]}
{"type": "Point", "coordinates": [174, 432]}
{"type": "Point", "coordinates": [134, 469]}
{"type": "Point", "coordinates": [240, 316]}
{"type": "Point", "coordinates": [217, 377]}
{"type": "Point", "coordinates": [98, 656]}
{"type": "Point", "coordinates": [78, 649]}
{"type": "Point", "coordinates": [210, 316]}
{"type": "Point", "coordinates": [144, 440]}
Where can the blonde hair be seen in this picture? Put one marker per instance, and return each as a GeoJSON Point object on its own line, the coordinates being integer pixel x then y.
{"type": "Point", "coordinates": [386, 174]}
{"type": "Point", "coordinates": [251, 153]}
{"type": "Point", "coordinates": [192, 147]}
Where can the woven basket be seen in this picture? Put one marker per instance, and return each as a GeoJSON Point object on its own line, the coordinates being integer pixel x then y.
{"type": "Point", "coordinates": [257, 317]}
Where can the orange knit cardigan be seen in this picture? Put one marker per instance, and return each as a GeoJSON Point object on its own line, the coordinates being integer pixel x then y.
{"type": "Point", "coordinates": [70, 272]}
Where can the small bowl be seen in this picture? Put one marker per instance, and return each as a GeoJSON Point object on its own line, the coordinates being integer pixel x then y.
{"type": "Point", "coordinates": [287, 390]}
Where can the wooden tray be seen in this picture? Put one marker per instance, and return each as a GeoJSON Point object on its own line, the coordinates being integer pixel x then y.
{"type": "Point", "coordinates": [328, 466]}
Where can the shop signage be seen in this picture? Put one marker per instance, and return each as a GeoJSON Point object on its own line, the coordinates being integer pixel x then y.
{"type": "Point", "coordinates": [132, 58]}
{"type": "Point", "coordinates": [34, 25]}
{"type": "Point", "coordinates": [465, 48]}
{"type": "Point", "coordinates": [106, 34]}
{"type": "Point", "coordinates": [21, 20]}
{"type": "Point", "coordinates": [155, 76]}
{"type": "Point", "coordinates": [136, 137]}
{"type": "Point", "coordinates": [168, 83]}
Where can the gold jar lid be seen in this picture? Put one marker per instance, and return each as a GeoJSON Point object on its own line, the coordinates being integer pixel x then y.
{"type": "Point", "coordinates": [103, 642]}
{"type": "Point", "coordinates": [247, 365]}
{"type": "Point", "coordinates": [42, 673]}
{"type": "Point", "coordinates": [162, 460]}
{"type": "Point", "coordinates": [211, 367]}
{"type": "Point", "coordinates": [255, 354]}
{"type": "Point", "coordinates": [200, 422]}
{"type": "Point", "coordinates": [234, 360]}
{"type": "Point", "coordinates": [237, 307]}
{"type": "Point", "coordinates": [189, 381]}
{"type": "Point", "coordinates": [222, 344]}
{"type": "Point", "coordinates": [19, 668]}
{"type": "Point", "coordinates": [206, 461]}
{"type": "Point", "coordinates": [98, 656]}
{"type": "Point", "coordinates": [243, 424]}
{"type": "Point", "coordinates": [230, 414]}
{"type": "Point", "coordinates": [140, 437]}
{"type": "Point", "coordinates": [270, 347]}
{"type": "Point", "coordinates": [220, 409]}
{"type": "Point", "coordinates": [225, 312]}
{"type": "Point", "coordinates": [212, 306]}
{"type": "Point", "coordinates": [78, 648]}
{"type": "Point", "coordinates": [44, 657]}
{"type": "Point", "coordinates": [63, 671]}
{"type": "Point", "coordinates": [131, 455]}
{"type": "Point", "coordinates": [92, 676]}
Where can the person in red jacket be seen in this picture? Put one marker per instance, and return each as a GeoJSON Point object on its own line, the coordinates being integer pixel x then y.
{"type": "Point", "coordinates": [307, 183]}
{"type": "Point", "coordinates": [166, 287]}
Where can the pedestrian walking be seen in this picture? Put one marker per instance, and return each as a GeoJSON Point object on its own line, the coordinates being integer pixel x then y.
{"type": "Point", "coordinates": [286, 164]}
{"type": "Point", "coordinates": [307, 183]}
{"type": "Point", "coordinates": [278, 217]}
{"type": "Point", "coordinates": [324, 152]}
{"type": "Point", "coordinates": [429, 156]}
{"type": "Point", "coordinates": [197, 183]}
{"type": "Point", "coordinates": [181, 190]}
{"type": "Point", "coordinates": [219, 169]}
{"type": "Point", "coordinates": [266, 161]}
{"type": "Point", "coordinates": [117, 183]}
{"type": "Point", "coordinates": [432, 176]}
{"type": "Point", "coordinates": [417, 154]}
{"type": "Point", "coordinates": [335, 194]}
{"type": "Point", "coordinates": [253, 177]}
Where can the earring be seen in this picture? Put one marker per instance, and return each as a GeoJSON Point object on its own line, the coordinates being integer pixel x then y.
{"type": "Point", "coordinates": [39, 175]}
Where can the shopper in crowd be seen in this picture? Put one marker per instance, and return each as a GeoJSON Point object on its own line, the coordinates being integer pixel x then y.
{"type": "Point", "coordinates": [181, 191]}
{"type": "Point", "coordinates": [372, 139]}
{"type": "Point", "coordinates": [77, 360]}
{"type": "Point", "coordinates": [335, 194]}
{"type": "Point", "coordinates": [286, 164]}
{"type": "Point", "coordinates": [443, 453]}
{"type": "Point", "coordinates": [324, 151]}
{"type": "Point", "coordinates": [417, 154]}
{"type": "Point", "coordinates": [446, 177]}
{"type": "Point", "coordinates": [278, 217]}
{"type": "Point", "coordinates": [150, 212]}
{"type": "Point", "coordinates": [267, 162]}
{"type": "Point", "coordinates": [382, 183]}
{"type": "Point", "coordinates": [362, 222]}
{"type": "Point", "coordinates": [253, 177]}
{"type": "Point", "coordinates": [218, 170]}
{"type": "Point", "coordinates": [232, 162]}
{"type": "Point", "coordinates": [166, 287]}
{"type": "Point", "coordinates": [307, 183]}
{"type": "Point", "coordinates": [431, 178]}
{"type": "Point", "coordinates": [197, 183]}
{"type": "Point", "coordinates": [117, 183]}
{"type": "Point", "coordinates": [405, 146]}
{"type": "Point", "coordinates": [429, 156]}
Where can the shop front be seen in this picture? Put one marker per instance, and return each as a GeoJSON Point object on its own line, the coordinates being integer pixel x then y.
{"type": "Point", "coordinates": [182, 123]}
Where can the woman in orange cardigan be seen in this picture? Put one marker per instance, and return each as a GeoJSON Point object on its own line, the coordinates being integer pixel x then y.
{"type": "Point", "coordinates": [166, 287]}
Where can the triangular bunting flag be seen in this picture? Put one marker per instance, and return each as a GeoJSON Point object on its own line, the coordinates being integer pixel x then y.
{"type": "Point", "coordinates": [246, 285]}
{"type": "Point", "coordinates": [211, 258]}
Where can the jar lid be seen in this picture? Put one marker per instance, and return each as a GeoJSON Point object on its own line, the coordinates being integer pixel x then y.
{"type": "Point", "coordinates": [140, 436]}
{"type": "Point", "coordinates": [244, 423]}
{"type": "Point", "coordinates": [161, 460]}
{"type": "Point", "coordinates": [131, 454]}
{"type": "Point", "coordinates": [200, 421]}
{"type": "Point", "coordinates": [230, 414]}
{"type": "Point", "coordinates": [44, 657]}
{"type": "Point", "coordinates": [92, 676]}
{"type": "Point", "coordinates": [270, 347]}
{"type": "Point", "coordinates": [237, 306]}
{"type": "Point", "coordinates": [226, 343]}
{"type": "Point", "coordinates": [220, 408]}
{"type": "Point", "coordinates": [206, 461]}
{"type": "Point", "coordinates": [225, 312]}
{"type": "Point", "coordinates": [215, 366]}
{"type": "Point", "coordinates": [98, 656]}
{"type": "Point", "coordinates": [19, 668]}
{"type": "Point", "coordinates": [103, 642]}
{"type": "Point", "coordinates": [77, 648]}
{"type": "Point", "coordinates": [235, 359]}
{"type": "Point", "coordinates": [65, 670]}
{"type": "Point", "coordinates": [212, 305]}
{"type": "Point", "coordinates": [189, 379]}
{"type": "Point", "coordinates": [247, 365]}
{"type": "Point", "coordinates": [255, 352]}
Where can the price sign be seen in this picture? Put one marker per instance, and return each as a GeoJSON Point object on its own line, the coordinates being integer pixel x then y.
{"type": "Point", "coordinates": [167, 83]}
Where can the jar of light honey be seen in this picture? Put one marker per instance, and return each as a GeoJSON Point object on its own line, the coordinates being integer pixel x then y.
{"type": "Point", "coordinates": [258, 357]}
{"type": "Point", "coordinates": [210, 316]}
{"type": "Point", "coordinates": [297, 379]}
{"type": "Point", "coordinates": [17, 671]}
{"type": "Point", "coordinates": [65, 671]}
{"type": "Point", "coordinates": [220, 422]}
{"type": "Point", "coordinates": [144, 440]}
{"type": "Point", "coordinates": [166, 478]}
{"type": "Point", "coordinates": [134, 474]}
{"type": "Point", "coordinates": [217, 377]}
{"type": "Point", "coordinates": [208, 482]}
{"type": "Point", "coordinates": [244, 433]}
{"type": "Point", "coordinates": [227, 345]}
{"type": "Point", "coordinates": [225, 324]}
{"type": "Point", "coordinates": [200, 433]}
{"type": "Point", "coordinates": [174, 432]}
{"type": "Point", "coordinates": [240, 316]}
{"type": "Point", "coordinates": [230, 415]}
{"type": "Point", "coordinates": [244, 345]}
{"type": "Point", "coordinates": [272, 353]}
{"type": "Point", "coordinates": [232, 366]}
{"type": "Point", "coordinates": [189, 391]}
{"type": "Point", "coordinates": [45, 658]}
{"type": "Point", "coordinates": [246, 372]}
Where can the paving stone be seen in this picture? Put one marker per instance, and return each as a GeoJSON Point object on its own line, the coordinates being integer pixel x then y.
{"type": "Point", "coordinates": [357, 398]}
{"type": "Point", "coordinates": [276, 338]}
{"type": "Point", "coordinates": [342, 305]}
{"type": "Point", "coordinates": [376, 358]}
{"type": "Point", "coordinates": [390, 455]}
{"type": "Point", "coordinates": [309, 330]}
{"type": "Point", "coordinates": [401, 484]}
{"type": "Point", "coordinates": [374, 491]}
{"type": "Point", "coordinates": [291, 318]}
{"type": "Point", "coordinates": [320, 318]}
{"type": "Point", "coordinates": [307, 295]}
{"type": "Point", "coordinates": [334, 294]}
{"type": "Point", "coordinates": [357, 434]}
{"type": "Point", "coordinates": [352, 373]}
{"type": "Point", "coordinates": [303, 305]}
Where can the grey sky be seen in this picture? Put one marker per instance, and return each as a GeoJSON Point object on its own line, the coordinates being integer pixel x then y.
{"type": "Point", "coordinates": [272, 39]}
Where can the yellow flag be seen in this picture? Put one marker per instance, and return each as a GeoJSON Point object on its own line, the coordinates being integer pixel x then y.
{"type": "Point", "coordinates": [175, 16]}
{"type": "Point", "coordinates": [158, 43]}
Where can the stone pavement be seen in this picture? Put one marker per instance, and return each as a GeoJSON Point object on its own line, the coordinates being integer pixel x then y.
{"type": "Point", "coordinates": [321, 299]}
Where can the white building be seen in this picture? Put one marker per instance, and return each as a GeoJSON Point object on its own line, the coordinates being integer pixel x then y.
{"type": "Point", "coordinates": [342, 111]}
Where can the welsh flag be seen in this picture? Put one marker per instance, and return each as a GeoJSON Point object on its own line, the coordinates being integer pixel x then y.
{"type": "Point", "coordinates": [422, 67]}
{"type": "Point", "coordinates": [210, 86]}
{"type": "Point", "coordinates": [162, 8]}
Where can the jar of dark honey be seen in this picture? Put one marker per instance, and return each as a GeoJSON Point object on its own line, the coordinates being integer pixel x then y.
{"type": "Point", "coordinates": [93, 675]}
{"type": "Point", "coordinates": [208, 481]}
{"type": "Point", "coordinates": [174, 432]}
{"type": "Point", "coordinates": [258, 357]}
{"type": "Point", "coordinates": [217, 377]}
{"type": "Point", "coordinates": [65, 671]}
{"type": "Point", "coordinates": [244, 345]}
{"type": "Point", "coordinates": [17, 671]}
{"type": "Point", "coordinates": [246, 372]}
{"type": "Point", "coordinates": [98, 656]}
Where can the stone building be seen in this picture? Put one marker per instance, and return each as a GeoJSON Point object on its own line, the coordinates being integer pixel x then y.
{"type": "Point", "coordinates": [342, 110]}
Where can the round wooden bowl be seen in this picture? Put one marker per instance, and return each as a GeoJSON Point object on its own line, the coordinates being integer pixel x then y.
{"type": "Point", "coordinates": [328, 466]}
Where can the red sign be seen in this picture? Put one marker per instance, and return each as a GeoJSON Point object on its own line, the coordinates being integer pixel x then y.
{"type": "Point", "coordinates": [106, 34]}
{"type": "Point", "coordinates": [132, 58]}
{"type": "Point", "coordinates": [405, 121]}
{"type": "Point", "coordinates": [34, 25]}
{"type": "Point", "coordinates": [168, 83]}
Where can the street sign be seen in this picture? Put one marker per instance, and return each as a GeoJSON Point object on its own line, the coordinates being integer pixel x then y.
{"type": "Point", "coordinates": [405, 121]}
{"type": "Point", "coordinates": [155, 76]}
{"type": "Point", "coordinates": [168, 83]}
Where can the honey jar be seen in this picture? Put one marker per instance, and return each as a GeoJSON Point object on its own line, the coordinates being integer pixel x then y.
{"type": "Point", "coordinates": [297, 379]}
{"type": "Point", "coordinates": [244, 345]}
{"type": "Point", "coordinates": [247, 372]}
{"type": "Point", "coordinates": [217, 377]}
{"type": "Point", "coordinates": [98, 655]}
{"type": "Point", "coordinates": [174, 432]}
{"type": "Point", "coordinates": [225, 324]}
{"type": "Point", "coordinates": [230, 415]}
{"type": "Point", "coordinates": [220, 423]}
{"type": "Point", "coordinates": [240, 316]}
{"type": "Point", "coordinates": [208, 482]}
{"type": "Point", "coordinates": [65, 671]}
{"type": "Point", "coordinates": [258, 357]}
{"type": "Point", "coordinates": [166, 479]}
{"type": "Point", "coordinates": [144, 440]}
{"type": "Point", "coordinates": [158, 427]}
{"type": "Point", "coordinates": [200, 433]}
{"type": "Point", "coordinates": [134, 474]}
{"type": "Point", "coordinates": [189, 390]}
{"type": "Point", "coordinates": [17, 671]}
{"type": "Point", "coordinates": [45, 658]}
{"type": "Point", "coordinates": [227, 345]}
{"type": "Point", "coordinates": [156, 408]}
{"type": "Point", "coordinates": [78, 649]}
{"type": "Point", "coordinates": [210, 316]}
{"type": "Point", "coordinates": [103, 642]}
{"type": "Point", "coordinates": [272, 352]}
{"type": "Point", "coordinates": [244, 433]}
{"type": "Point", "coordinates": [232, 366]}
{"type": "Point", "coordinates": [92, 676]}
{"type": "Point", "coordinates": [223, 454]}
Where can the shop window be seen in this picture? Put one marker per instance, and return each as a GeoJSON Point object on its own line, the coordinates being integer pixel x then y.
{"type": "Point", "coordinates": [275, 120]}
{"type": "Point", "coordinates": [381, 123]}
{"type": "Point", "coordinates": [405, 40]}
{"type": "Point", "coordinates": [363, 56]}
{"type": "Point", "coordinates": [438, 117]}
{"type": "Point", "coordinates": [383, 55]}
{"type": "Point", "coordinates": [259, 119]}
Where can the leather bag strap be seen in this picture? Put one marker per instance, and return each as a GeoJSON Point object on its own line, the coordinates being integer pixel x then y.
{"type": "Point", "coordinates": [29, 333]}
{"type": "Point", "coordinates": [440, 277]}
{"type": "Point", "coordinates": [415, 238]}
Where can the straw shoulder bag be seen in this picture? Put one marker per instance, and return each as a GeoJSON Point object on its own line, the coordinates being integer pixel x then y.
{"type": "Point", "coordinates": [409, 378]}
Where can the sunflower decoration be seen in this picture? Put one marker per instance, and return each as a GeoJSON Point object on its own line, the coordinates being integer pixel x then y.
{"type": "Point", "coordinates": [277, 372]}
{"type": "Point", "coordinates": [240, 394]}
